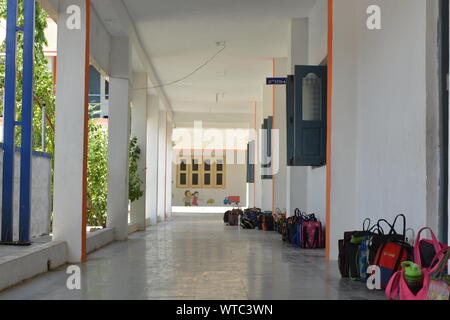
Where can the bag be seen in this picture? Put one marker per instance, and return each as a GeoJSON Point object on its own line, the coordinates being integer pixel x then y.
{"type": "Point", "coordinates": [379, 238]}
{"type": "Point", "coordinates": [268, 222]}
{"type": "Point", "coordinates": [344, 257]}
{"type": "Point", "coordinates": [292, 228]}
{"type": "Point", "coordinates": [389, 257]}
{"type": "Point", "coordinates": [252, 215]}
{"type": "Point", "coordinates": [425, 250]}
{"type": "Point", "coordinates": [246, 223]}
{"type": "Point", "coordinates": [225, 216]}
{"type": "Point", "coordinates": [312, 235]}
{"type": "Point", "coordinates": [397, 288]}
{"type": "Point", "coordinates": [348, 252]}
{"type": "Point", "coordinates": [233, 217]}
{"type": "Point", "coordinates": [439, 286]}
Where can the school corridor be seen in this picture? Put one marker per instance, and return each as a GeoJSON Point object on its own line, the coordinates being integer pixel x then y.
{"type": "Point", "coordinates": [196, 257]}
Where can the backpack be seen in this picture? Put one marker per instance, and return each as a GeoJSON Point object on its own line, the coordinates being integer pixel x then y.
{"type": "Point", "coordinates": [293, 228]}
{"type": "Point", "coordinates": [380, 238]}
{"type": "Point", "coordinates": [225, 216]}
{"type": "Point", "coordinates": [349, 256]}
{"type": "Point", "coordinates": [389, 258]}
{"type": "Point", "coordinates": [269, 222]}
{"type": "Point", "coordinates": [252, 215]}
{"type": "Point", "coordinates": [344, 254]}
{"type": "Point", "coordinates": [426, 250]}
{"type": "Point", "coordinates": [312, 233]}
{"type": "Point", "coordinates": [246, 223]}
{"type": "Point", "coordinates": [233, 217]}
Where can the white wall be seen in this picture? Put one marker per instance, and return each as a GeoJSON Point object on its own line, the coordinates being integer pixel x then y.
{"type": "Point", "coordinates": [169, 173]}
{"type": "Point", "coordinates": [151, 201]}
{"type": "Point", "coordinates": [279, 141]}
{"type": "Point", "coordinates": [297, 177]}
{"type": "Point", "coordinates": [100, 44]}
{"type": "Point", "coordinates": [308, 47]}
{"type": "Point", "coordinates": [318, 51]}
{"type": "Point", "coordinates": [318, 32]}
{"type": "Point", "coordinates": [379, 96]}
{"type": "Point", "coordinates": [392, 114]}
{"type": "Point", "coordinates": [41, 204]}
{"type": "Point", "coordinates": [236, 175]}
{"type": "Point", "coordinates": [162, 173]}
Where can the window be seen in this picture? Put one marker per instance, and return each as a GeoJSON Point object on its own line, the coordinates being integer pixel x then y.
{"type": "Point", "coordinates": [251, 162]}
{"type": "Point", "coordinates": [306, 116]}
{"type": "Point", "coordinates": [201, 172]}
{"type": "Point", "coordinates": [266, 149]}
{"type": "Point", "coordinates": [182, 173]}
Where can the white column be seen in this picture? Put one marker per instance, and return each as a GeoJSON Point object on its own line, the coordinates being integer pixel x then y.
{"type": "Point", "coordinates": [69, 136]}
{"type": "Point", "coordinates": [118, 143]}
{"type": "Point", "coordinates": [162, 170]}
{"type": "Point", "coordinates": [152, 160]}
{"type": "Point", "coordinates": [258, 181]}
{"type": "Point", "coordinates": [139, 111]}
{"type": "Point", "coordinates": [169, 162]}
{"type": "Point", "coordinates": [297, 177]}
{"type": "Point", "coordinates": [266, 184]}
{"type": "Point", "coordinates": [279, 148]}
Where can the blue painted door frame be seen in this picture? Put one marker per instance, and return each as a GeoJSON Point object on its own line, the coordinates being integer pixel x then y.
{"type": "Point", "coordinates": [25, 123]}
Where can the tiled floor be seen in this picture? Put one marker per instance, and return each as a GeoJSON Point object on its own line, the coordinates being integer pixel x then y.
{"type": "Point", "coordinates": [196, 257]}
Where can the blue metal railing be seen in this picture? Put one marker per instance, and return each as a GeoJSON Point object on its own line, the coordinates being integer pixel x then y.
{"type": "Point", "coordinates": [25, 124]}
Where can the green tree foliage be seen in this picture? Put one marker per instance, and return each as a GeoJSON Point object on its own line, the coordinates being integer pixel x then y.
{"type": "Point", "coordinates": [135, 182]}
{"type": "Point", "coordinates": [43, 80]}
{"type": "Point", "coordinates": [44, 99]}
{"type": "Point", "coordinates": [97, 174]}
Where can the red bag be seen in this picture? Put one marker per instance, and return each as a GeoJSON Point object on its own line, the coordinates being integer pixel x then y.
{"type": "Point", "coordinates": [389, 258]}
{"type": "Point", "coordinates": [425, 250]}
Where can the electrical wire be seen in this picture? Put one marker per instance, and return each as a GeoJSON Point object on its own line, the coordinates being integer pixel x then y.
{"type": "Point", "coordinates": [204, 64]}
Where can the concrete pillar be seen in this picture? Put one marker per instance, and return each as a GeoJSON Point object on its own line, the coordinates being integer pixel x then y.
{"type": "Point", "coordinates": [151, 195]}
{"type": "Point", "coordinates": [258, 181]}
{"type": "Point", "coordinates": [69, 136]}
{"type": "Point", "coordinates": [297, 177]}
{"type": "Point", "coordinates": [169, 162]}
{"type": "Point", "coordinates": [279, 141]}
{"type": "Point", "coordinates": [119, 134]}
{"type": "Point", "coordinates": [266, 184]}
{"type": "Point", "coordinates": [162, 170]}
{"type": "Point", "coordinates": [139, 111]}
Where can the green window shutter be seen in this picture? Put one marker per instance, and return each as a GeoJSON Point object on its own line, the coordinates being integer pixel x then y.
{"type": "Point", "coordinates": [310, 115]}
{"type": "Point", "coordinates": [266, 149]}
{"type": "Point", "coordinates": [290, 119]}
{"type": "Point", "coordinates": [251, 162]}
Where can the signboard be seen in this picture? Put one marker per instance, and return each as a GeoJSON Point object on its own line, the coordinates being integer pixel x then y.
{"type": "Point", "coordinates": [276, 81]}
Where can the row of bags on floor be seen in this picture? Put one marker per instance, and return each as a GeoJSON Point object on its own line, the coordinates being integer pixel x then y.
{"type": "Point", "coordinates": [300, 230]}
{"type": "Point", "coordinates": [409, 269]}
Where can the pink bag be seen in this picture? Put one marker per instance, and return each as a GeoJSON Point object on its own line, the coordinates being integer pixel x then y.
{"type": "Point", "coordinates": [439, 250]}
{"type": "Point", "coordinates": [398, 289]}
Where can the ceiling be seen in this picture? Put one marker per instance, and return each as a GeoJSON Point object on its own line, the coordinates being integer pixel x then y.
{"type": "Point", "coordinates": [181, 35]}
